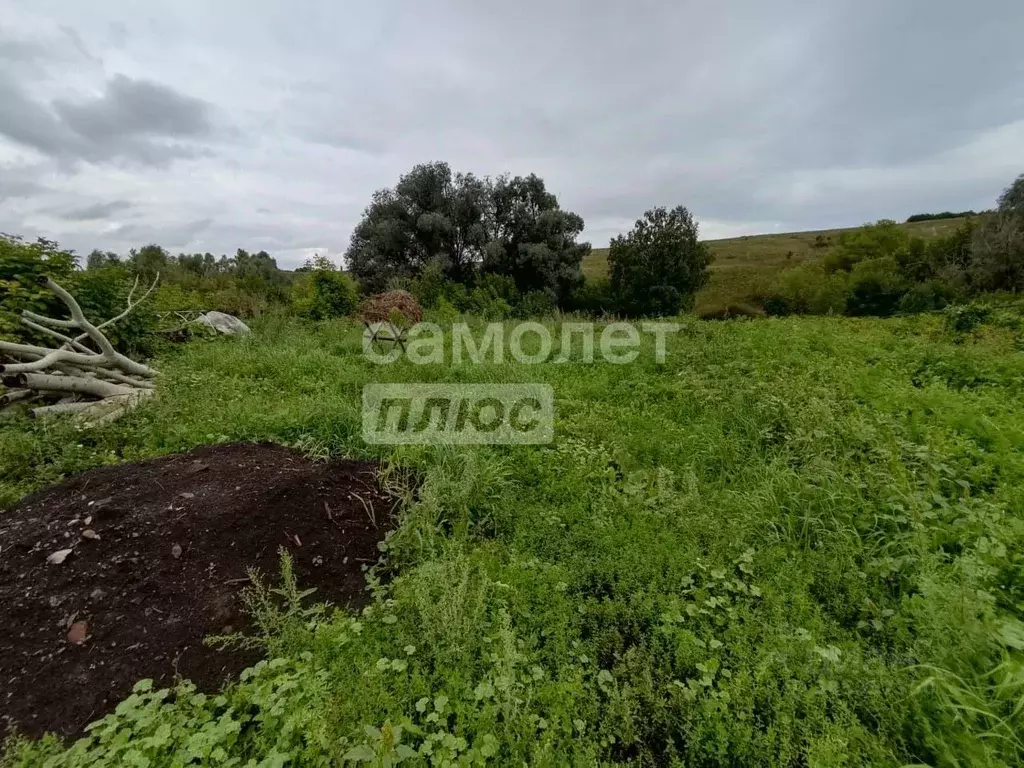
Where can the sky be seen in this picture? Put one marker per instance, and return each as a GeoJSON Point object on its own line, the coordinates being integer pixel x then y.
{"type": "Point", "coordinates": [264, 125]}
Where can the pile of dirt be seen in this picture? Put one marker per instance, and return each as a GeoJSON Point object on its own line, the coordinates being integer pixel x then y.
{"type": "Point", "coordinates": [158, 554]}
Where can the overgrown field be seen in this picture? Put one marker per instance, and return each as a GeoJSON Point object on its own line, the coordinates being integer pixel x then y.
{"type": "Point", "coordinates": [745, 266]}
{"type": "Point", "coordinates": [795, 542]}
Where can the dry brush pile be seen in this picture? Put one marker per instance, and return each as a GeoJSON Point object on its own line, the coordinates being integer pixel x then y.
{"type": "Point", "coordinates": [95, 384]}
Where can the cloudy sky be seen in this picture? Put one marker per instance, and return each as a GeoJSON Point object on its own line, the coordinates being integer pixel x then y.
{"type": "Point", "coordinates": [218, 124]}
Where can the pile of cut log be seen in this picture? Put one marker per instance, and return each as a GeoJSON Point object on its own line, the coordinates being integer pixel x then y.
{"type": "Point", "coordinates": [95, 384]}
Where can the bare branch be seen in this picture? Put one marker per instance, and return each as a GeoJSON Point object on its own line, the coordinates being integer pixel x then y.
{"type": "Point", "coordinates": [68, 341]}
{"type": "Point", "coordinates": [71, 324]}
{"type": "Point", "coordinates": [130, 307]}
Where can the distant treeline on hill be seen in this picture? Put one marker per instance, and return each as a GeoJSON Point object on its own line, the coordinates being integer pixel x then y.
{"type": "Point", "coordinates": [943, 215]}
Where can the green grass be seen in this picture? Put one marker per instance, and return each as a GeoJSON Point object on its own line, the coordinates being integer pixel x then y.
{"type": "Point", "coordinates": [796, 542]}
{"type": "Point", "coordinates": [745, 265]}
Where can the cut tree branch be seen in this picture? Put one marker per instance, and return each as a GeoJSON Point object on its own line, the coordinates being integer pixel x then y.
{"type": "Point", "coordinates": [74, 369]}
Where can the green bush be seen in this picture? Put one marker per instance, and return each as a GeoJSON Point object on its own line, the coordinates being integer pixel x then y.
{"type": "Point", "coordinates": [927, 296]}
{"type": "Point", "coordinates": [807, 289]}
{"type": "Point", "coordinates": [966, 317]}
{"type": "Point", "coordinates": [594, 297]}
{"type": "Point", "coordinates": [872, 241]}
{"type": "Point", "coordinates": [493, 296]}
{"type": "Point", "coordinates": [876, 287]}
{"type": "Point", "coordinates": [23, 267]}
{"type": "Point", "coordinates": [535, 304]}
{"type": "Point", "coordinates": [323, 294]}
{"type": "Point", "coordinates": [103, 293]}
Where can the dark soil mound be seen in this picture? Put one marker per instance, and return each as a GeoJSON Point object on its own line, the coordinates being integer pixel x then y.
{"type": "Point", "coordinates": [159, 554]}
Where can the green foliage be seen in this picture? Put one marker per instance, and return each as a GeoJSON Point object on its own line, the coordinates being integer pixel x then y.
{"type": "Point", "coordinates": [794, 542]}
{"type": "Point", "coordinates": [103, 293]}
{"type": "Point", "coordinates": [997, 253]}
{"type": "Point", "coordinates": [535, 304]}
{"type": "Point", "coordinates": [876, 287]}
{"type": "Point", "coordinates": [595, 297]}
{"type": "Point", "coordinates": [659, 266]}
{"type": "Point", "coordinates": [807, 289]}
{"type": "Point", "coordinates": [533, 241]}
{"type": "Point", "coordinates": [23, 268]}
{"type": "Point", "coordinates": [434, 219]}
{"type": "Point", "coordinates": [430, 214]}
{"type": "Point", "coordinates": [1011, 201]}
{"type": "Point", "coordinates": [322, 294]}
{"type": "Point", "coordinates": [940, 216]}
{"type": "Point", "coordinates": [492, 297]}
{"type": "Point", "coordinates": [883, 239]}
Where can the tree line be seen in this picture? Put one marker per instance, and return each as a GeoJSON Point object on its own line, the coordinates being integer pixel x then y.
{"type": "Point", "coordinates": [504, 246]}
{"type": "Point", "coordinates": [881, 269]}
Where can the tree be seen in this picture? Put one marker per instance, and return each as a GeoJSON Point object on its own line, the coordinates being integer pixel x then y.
{"type": "Point", "coordinates": [1012, 199]}
{"type": "Point", "coordinates": [318, 263]}
{"type": "Point", "coordinates": [997, 254]}
{"type": "Point", "coordinates": [660, 265]}
{"type": "Point", "coordinates": [430, 214]}
{"type": "Point", "coordinates": [149, 259]}
{"type": "Point", "coordinates": [98, 259]}
{"type": "Point", "coordinates": [509, 226]}
{"type": "Point", "coordinates": [532, 240]}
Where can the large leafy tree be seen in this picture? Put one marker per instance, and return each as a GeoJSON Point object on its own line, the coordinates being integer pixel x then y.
{"type": "Point", "coordinates": [508, 226]}
{"type": "Point", "coordinates": [431, 214]}
{"type": "Point", "coordinates": [660, 265]}
{"type": "Point", "coordinates": [1012, 199]}
{"type": "Point", "coordinates": [532, 240]}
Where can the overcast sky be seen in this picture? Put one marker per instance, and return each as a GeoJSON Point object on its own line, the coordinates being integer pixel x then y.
{"type": "Point", "coordinates": [209, 125]}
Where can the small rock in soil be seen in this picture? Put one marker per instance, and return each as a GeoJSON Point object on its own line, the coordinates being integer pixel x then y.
{"type": "Point", "coordinates": [77, 632]}
{"type": "Point", "coordinates": [59, 556]}
{"type": "Point", "coordinates": [176, 551]}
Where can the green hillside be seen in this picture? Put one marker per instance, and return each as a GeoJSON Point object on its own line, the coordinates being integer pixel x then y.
{"type": "Point", "coordinates": [744, 265]}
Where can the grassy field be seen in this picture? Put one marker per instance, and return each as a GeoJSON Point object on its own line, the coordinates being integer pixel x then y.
{"type": "Point", "coordinates": [745, 265]}
{"type": "Point", "coordinates": [795, 542]}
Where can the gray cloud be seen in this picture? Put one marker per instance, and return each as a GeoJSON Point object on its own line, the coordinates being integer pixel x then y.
{"type": "Point", "coordinates": [132, 120]}
{"type": "Point", "coordinates": [96, 211]}
{"type": "Point", "coordinates": [135, 108]}
{"type": "Point", "coordinates": [759, 117]}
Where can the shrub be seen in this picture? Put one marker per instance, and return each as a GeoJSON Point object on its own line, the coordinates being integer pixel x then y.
{"type": "Point", "coordinates": [493, 296]}
{"type": "Point", "coordinates": [594, 297]}
{"type": "Point", "coordinates": [658, 267]}
{"type": "Point", "coordinates": [535, 304]}
{"type": "Point", "coordinates": [966, 317]}
{"type": "Point", "coordinates": [876, 287]}
{"type": "Point", "coordinates": [429, 287]}
{"type": "Point", "coordinates": [323, 294]}
{"type": "Point", "coordinates": [872, 241]}
{"type": "Point", "coordinates": [807, 289]}
{"type": "Point", "coordinates": [927, 296]}
{"type": "Point", "coordinates": [103, 293]}
{"type": "Point", "coordinates": [22, 268]}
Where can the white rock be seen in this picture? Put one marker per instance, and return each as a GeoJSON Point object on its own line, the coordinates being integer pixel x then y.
{"type": "Point", "coordinates": [223, 323]}
{"type": "Point", "coordinates": [58, 557]}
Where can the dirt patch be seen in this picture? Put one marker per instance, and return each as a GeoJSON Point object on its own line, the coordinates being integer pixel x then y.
{"type": "Point", "coordinates": [159, 551]}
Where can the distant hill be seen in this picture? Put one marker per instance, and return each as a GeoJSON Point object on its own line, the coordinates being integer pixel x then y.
{"type": "Point", "coordinates": [745, 265]}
